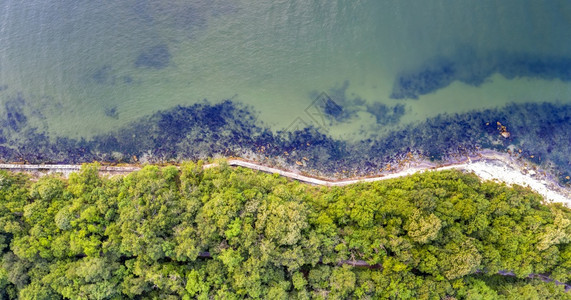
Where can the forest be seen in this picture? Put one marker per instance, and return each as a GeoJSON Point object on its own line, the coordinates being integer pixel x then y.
{"type": "Point", "coordinates": [233, 233]}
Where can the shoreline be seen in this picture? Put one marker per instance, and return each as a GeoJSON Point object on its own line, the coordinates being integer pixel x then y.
{"type": "Point", "coordinates": [487, 165]}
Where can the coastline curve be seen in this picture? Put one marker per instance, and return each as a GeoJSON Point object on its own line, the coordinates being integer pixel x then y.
{"type": "Point", "coordinates": [488, 165]}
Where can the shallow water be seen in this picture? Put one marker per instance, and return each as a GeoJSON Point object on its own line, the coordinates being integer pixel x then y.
{"type": "Point", "coordinates": [84, 68]}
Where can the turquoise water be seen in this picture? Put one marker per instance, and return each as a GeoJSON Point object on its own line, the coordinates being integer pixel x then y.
{"type": "Point", "coordinates": [86, 67]}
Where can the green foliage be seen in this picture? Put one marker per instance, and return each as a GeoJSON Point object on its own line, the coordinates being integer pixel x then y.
{"type": "Point", "coordinates": [225, 233]}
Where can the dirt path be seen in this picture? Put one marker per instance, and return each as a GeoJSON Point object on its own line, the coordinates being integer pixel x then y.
{"type": "Point", "coordinates": [487, 168]}
{"type": "Point", "coordinates": [489, 165]}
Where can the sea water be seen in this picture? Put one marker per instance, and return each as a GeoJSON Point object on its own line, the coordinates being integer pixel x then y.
{"type": "Point", "coordinates": [81, 68]}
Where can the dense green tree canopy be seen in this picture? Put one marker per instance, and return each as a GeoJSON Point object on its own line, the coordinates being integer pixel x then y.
{"type": "Point", "coordinates": [225, 233]}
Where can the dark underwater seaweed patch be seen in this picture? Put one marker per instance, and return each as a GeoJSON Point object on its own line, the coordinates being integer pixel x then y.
{"type": "Point", "coordinates": [439, 73]}
{"type": "Point", "coordinates": [432, 78]}
{"type": "Point", "coordinates": [541, 131]}
{"type": "Point", "coordinates": [103, 75]}
{"type": "Point", "coordinates": [333, 109]}
{"type": "Point", "coordinates": [537, 67]}
{"type": "Point", "coordinates": [112, 112]}
{"type": "Point", "coordinates": [337, 105]}
{"type": "Point", "coordinates": [15, 118]}
{"type": "Point", "coordinates": [385, 114]}
{"type": "Point", "coordinates": [156, 57]}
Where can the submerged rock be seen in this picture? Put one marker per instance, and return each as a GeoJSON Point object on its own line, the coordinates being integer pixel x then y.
{"type": "Point", "coordinates": [112, 112]}
{"type": "Point", "coordinates": [332, 108]}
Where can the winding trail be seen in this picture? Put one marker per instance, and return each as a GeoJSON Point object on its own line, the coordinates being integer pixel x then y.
{"type": "Point", "coordinates": [488, 165]}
